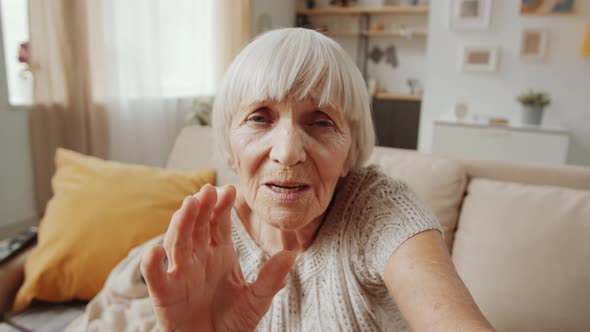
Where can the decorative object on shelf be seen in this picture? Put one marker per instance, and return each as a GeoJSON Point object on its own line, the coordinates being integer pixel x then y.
{"type": "Point", "coordinates": [371, 86]}
{"type": "Point", "coordinates": [342, 3]}
{"type": "Point", "coordinates": [498, 121]}
{"type": "Point", "coordinates": [391, 56]}
{"type": "Point", "coordinates": [533, 44]}
{"type": "Point", "coordinates": [461, 111]}
{"type": "Point", "coordinates": [406, 32]}
{"type": "Point", "coordinates": [200, 111]}
{"type": "Point", "coordinates": [376, 54]}
{"type": "Point", "coordinates": [470, 14]}
{"type": "Point", "coordinates": [479, 58]}
{"type": "Point", "coordinates": [585, 51]}
{"type": "Point", "coordinates": [408, 2]}
{"type": "Point", "coordinates": [414, 86]}
{"type": "Point", "coordinates": [376, 27]}
{"type": "Point", "coordinates": [546, 7]}
{"type": "Point", "coordinates": [371, 3]}
{"type": "Point", "coordinates": [533, 104]}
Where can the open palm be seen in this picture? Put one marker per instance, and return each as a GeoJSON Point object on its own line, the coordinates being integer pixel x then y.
{"type": "Point", "coordinates": [203, 287]}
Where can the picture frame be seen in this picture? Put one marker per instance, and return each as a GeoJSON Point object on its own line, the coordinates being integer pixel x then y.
{"type": "Point", "coordinates": [470, 14]}
{"type": "Point", "coordinates": [547, 7]}
{"type": "Point", "coordinates": [478, 58]}
{"type": "Point", "coordinates": [533, 44]}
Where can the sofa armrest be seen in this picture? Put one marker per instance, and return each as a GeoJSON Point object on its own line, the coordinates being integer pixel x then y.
{"type": "Point", "coordinates": [12, 275]}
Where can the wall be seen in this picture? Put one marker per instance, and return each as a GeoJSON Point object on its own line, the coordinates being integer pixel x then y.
{"type": "Point", "coordinates": [564, 74]}
{"type": "Point", "coordinates": [281, 13]}
{"type": "Point", "coordinates": [16, 188]}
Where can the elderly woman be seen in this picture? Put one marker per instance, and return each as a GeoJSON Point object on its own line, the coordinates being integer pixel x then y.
{"type": "Point", "coordinates": [310, 240]}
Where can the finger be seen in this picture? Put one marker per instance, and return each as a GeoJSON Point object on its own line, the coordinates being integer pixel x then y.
{"type": "Point", "coordinates": [153, 270]}
{"type": "Point", "coordinates": [221, 220]}
{"type": "Point", "coordinates": [207, 196]}
{"type": "Point", "coordinates": [272, 277]}
{"type": "Point", "coordinates": [178, 241]}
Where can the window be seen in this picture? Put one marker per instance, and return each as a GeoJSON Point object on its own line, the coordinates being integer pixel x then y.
{"type": "Point", "coordinates": [15, 28]}
{"type": "Point", "coordinates": [186, 41]}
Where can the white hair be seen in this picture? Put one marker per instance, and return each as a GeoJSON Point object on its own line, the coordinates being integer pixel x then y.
{"type": "Point", "coordinates": [299, 63]}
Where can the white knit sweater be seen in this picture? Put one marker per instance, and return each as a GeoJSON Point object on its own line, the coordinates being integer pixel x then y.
{"type": "Point", "coordinates": [336, 284]}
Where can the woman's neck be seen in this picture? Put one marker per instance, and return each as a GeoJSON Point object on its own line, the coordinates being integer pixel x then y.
{"type": "Point", "coordinates": [272, 239]}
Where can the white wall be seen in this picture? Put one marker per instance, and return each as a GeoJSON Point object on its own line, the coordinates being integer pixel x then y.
{"type": "Point", "coordinates": [564, 74]}
{"type": "Point", "coordinates": [16, 188]}
{"type": "Point", "coordinates": [281, 12]}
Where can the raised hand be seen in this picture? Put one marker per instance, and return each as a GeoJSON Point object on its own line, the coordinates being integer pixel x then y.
{"type": "Point", "coordinates": [203, 288]}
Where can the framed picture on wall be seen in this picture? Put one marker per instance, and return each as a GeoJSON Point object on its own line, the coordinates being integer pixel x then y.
{"type": "Point", "coordinates": [546, 7]}
{"type": "Point", "coordinates": [470, 14]}
{"type": "Point", "coordinates": [479, 58]}
{"type": "Point", "coordinates": [533, 44]}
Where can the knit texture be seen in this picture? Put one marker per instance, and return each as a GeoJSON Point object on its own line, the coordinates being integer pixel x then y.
{"type": "Point", "coordinates": [337, 283]}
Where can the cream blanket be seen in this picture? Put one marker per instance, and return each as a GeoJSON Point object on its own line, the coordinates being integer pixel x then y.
{"type": "Point", "coordinates": [123, 304]}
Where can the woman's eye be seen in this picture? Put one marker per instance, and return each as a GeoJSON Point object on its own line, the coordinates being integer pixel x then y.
{"type": "Point", "coordinates": [324, 123]}
{"type": "Point", "coordinates": [257, 119]}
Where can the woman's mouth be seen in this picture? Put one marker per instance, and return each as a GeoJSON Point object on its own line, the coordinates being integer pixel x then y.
{"type": "Point", "coordinates": [287, 187]}
{"type": "Point", "coordinates": [287, 191]}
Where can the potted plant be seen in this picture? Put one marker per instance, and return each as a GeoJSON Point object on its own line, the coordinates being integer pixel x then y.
{"type": "Point", "coordinates": [533, 104]}
{"type": "Point", "coordinates": [200, 111]}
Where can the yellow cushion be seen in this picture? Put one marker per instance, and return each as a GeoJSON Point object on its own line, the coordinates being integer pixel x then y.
{"type": "Point", "coordinates": [99, 211]}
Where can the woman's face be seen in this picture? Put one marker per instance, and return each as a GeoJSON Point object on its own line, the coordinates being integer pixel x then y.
{"type": "Point", "coordinates": [289, 156]}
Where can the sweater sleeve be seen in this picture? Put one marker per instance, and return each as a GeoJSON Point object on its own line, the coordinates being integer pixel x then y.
{"type": "Point", "coordinates": [390, 215]}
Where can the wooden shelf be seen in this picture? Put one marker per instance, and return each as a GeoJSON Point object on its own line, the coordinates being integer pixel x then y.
{"type": "Point", "coordinates": [340, 34]}
{"type": "Point", "coordinates": [418, 10]}
{"type": "Point", "coordinates": [392, 34]}
{"type": "Point", "coordinates": [397, 96]}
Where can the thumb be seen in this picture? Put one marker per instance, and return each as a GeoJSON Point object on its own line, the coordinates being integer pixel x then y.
{"type": "Point", "coordinates": [271, 278]}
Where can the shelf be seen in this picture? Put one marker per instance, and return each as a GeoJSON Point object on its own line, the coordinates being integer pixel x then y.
{"type": "Point", "coordinates": [397, 96]}
{"type": "Point", "coordinates": [393, 34]}
{"type": "Point", "coordinates": [340, 34]}
{"type": "Point", "coordinates": [365, 10]}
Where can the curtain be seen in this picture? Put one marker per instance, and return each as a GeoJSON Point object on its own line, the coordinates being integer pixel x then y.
{"type": "Point", "coordinates": [63, 114]}
{"type": "Point", "coordinates": [114, 78]}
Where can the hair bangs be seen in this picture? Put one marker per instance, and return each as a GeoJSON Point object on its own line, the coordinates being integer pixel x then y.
{"type": "Point", "coordinates": [288, 70]}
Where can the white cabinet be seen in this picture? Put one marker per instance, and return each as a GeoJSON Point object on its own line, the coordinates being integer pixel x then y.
{"type": "Point", "coordinates": [501, 143]}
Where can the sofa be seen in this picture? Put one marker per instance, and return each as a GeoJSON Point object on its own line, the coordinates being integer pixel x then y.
{"type": "Point", "coordinates": [519, 234]}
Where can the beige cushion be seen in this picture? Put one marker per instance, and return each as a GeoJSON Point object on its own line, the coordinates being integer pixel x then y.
{"type": "Point", "coordinates": [194, 149]}
{"type": "Point", "coordinates": [524, 253]}
{"type": "Point", "coordinates": [438, 182]}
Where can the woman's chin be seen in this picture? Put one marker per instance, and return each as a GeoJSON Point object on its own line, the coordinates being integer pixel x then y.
{"type": "Point", "coordinates": [286, 219]}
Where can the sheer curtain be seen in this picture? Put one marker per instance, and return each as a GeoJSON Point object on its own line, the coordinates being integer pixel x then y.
{"type": "Point", "coordinates": [159, 54]}
{"type": "Point", "coordinates": [63, 113]}
{"type": "Point", "coordinates": [114, 78]}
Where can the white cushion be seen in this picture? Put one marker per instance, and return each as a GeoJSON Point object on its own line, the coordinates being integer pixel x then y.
{"type": "Point", "coordinates": [524, 253]}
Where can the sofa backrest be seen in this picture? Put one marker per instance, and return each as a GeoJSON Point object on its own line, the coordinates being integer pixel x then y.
{"type": "Point", "coordinates": [438, 182]}
{"type": "Point", "coordinates": [194, 148]}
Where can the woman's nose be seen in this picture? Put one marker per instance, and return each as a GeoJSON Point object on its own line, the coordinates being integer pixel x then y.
{"type": "Point", "coordinates": [287, 146]}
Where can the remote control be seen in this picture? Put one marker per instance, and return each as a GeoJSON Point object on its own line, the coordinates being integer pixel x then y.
{"type": "Point", "coordinates": [12, 246]}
